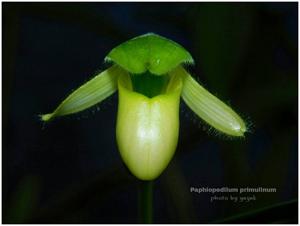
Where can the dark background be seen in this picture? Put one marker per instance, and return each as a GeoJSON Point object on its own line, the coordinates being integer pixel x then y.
{"type": "Point", "coordinates": [70, 171]}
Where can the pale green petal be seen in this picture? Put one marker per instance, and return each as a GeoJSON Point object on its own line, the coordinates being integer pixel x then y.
{"type": "Point", "coordinates": [208, 107]}
{"type": "Point", "coordinates": [92, 92]}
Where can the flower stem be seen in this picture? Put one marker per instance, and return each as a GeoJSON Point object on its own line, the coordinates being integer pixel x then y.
{"type": "Point", "coordinates": [146, 202]}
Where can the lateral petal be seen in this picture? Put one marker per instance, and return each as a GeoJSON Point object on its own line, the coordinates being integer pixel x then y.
{"type": "Point", "coordinates": [92, 92]}
{"type": "Point", "coordinates": [208, 107]}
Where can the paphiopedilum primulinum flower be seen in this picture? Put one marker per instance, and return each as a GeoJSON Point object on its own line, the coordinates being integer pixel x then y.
{"type": "Point", "coordinates": [148, 72]}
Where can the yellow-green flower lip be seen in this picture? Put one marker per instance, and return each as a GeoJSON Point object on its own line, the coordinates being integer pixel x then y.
{"type": "Point", "coordinates": [147, 128]}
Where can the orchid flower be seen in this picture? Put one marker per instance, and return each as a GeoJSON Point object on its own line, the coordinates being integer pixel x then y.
{"type": "Point", "coordinates": [148, 72]}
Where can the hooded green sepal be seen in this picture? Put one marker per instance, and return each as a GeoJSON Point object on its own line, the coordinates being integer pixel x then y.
{"type": "Point", "coordinates": [149, 52]}
{"type": "Point", "coordinates": [92, 92]}
{"type": "Point", "coordinates": [208, 107]}
{"type": "Point", "coordinates": [147, 128]}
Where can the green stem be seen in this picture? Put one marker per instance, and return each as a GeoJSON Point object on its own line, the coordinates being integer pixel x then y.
{"type": "Point", "coordinates": [146, 202]}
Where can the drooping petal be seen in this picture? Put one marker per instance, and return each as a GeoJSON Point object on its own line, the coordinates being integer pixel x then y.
{"type": "Point", "coordinates": [92, 92]}
{"type": "Point", "coordinates": [208, 107]}
{"type": "Point", "coordinates": [147, 128]}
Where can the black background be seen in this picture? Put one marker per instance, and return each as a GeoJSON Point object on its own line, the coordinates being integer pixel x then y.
{"type": "Point", "coordinates": [70, 171]}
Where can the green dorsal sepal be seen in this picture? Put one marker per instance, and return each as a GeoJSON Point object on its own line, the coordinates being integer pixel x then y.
{"type": "Point", "coordinates": [149, 52]}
